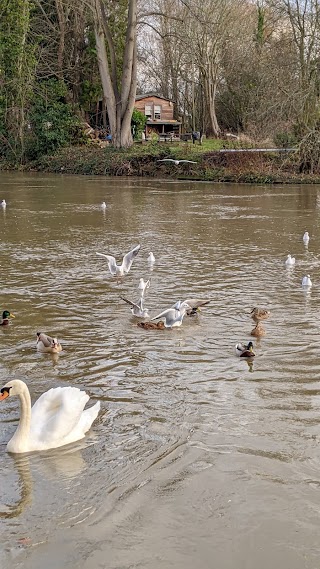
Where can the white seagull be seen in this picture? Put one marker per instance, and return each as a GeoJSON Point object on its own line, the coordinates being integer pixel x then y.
{"type": "Point", "coordinates": [177, 162]}
{"type": "Point", "coordinates": [151, 258]}
{"type": "Point", "coordinates": [120, 270]}
{"type": "Point", "coordinates": [306, 237]}
{"type": "Point", "coordinates": [194, 305]}
{"type": "Point", "coordinates": [103, 205]}
{"type": "Point", "coordinates": [137, 308]}
{"type": "Point", "coordinates": [173, 316]}
{"type": "Point", "coordinates": [290, 261]}
{"type": "Point", "coordinates": [306, 281]}
{"type": "Point", "coordinates": [4, 204]}
{"type": "Point", "coordinates": [143, 285]}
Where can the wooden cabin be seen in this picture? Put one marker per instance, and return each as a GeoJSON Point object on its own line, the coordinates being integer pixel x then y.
{"type": "Point", "coordinates": [159, 112]}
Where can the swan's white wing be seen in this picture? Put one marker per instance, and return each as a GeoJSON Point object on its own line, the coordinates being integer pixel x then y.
{"type": "Point", "coordinates": [111, 263]}
{"type": "Point", "coordinates": [128, 258]}
{"type": "Point", "coordinates": [55, 415]}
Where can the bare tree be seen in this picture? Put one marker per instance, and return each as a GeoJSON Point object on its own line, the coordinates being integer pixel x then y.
{"type": "Point", "coordinates": [119, 93]}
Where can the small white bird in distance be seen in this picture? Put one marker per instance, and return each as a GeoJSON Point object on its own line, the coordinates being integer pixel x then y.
{"type": "Point", "coordinates": [306, 281]}
{"type": "Point", "coordinates": [306, 237]}
{"type": "Point", "coordinates": [103, 205]}
{"type": "Point", "coordinates": [143, 285]}
{"type": "Point", "coordinates": [177, 162]}
{"type": "Point", "coordinates": [137, 309]}
{"type": "Point", "coordinates": [290, 261]}
{"type": "Point", "coordinates": [121, 270]}
{"type": "Point", "coordinates": [4, 204]}
{"type": "Point", "coordinates": [151, 258]}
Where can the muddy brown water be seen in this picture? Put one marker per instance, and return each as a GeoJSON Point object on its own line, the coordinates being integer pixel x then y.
{"type": "Point", "coordinates": [197, 459]}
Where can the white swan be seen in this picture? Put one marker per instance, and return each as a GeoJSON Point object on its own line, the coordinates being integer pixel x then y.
{"type": "Point", "coordinates": [47, 344]}
{"type": "Point", "coordinates": [306, 238]}
{"type": "Point", "coordinates": [57, 418]}
{"type": "Point", "coordinates": [306, 281]}
{"type": "Point", "coordinates": [290, 261]}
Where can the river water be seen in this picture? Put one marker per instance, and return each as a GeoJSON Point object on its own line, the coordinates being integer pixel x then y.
{"type": "Point", "coordinates": [197, 459]}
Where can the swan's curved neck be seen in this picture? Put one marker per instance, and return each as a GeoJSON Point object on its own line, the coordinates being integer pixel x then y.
{"type": "Point", "coordinates": [19, 441]}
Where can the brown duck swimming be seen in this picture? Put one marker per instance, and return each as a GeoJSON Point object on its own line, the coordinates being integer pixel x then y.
{"type": "Point", "coordinates": [258, 314]}
{"type": "Point", "coordinates": [258, 330]}
{"type": "Point", "coordinates": [152, 325]}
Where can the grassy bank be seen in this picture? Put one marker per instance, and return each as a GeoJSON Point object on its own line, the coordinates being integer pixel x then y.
{"type": "Point", "coordinates": [211, 165]}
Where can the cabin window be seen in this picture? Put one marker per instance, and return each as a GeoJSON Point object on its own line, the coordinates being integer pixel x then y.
{"type": "Point", "coordinates": [148, 111]}
{"type": "Point", "coordinates": [157, 111]}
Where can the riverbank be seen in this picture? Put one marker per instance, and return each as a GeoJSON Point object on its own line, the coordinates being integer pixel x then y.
{"type": "Point", "coordinates": [208, 163]}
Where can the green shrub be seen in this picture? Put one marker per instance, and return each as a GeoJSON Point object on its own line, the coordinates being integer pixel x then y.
{"type": "Point", "coordinates": [52, 120]}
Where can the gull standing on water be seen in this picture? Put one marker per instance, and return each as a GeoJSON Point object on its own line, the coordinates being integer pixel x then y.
{"type": "Point", "coordinates": [4, 204]}
{"type": "Point", "coordinates": [177, 162]}
{"type": "Point", "coordinates": [151, 258]}
{"type": "Point", "coordinates": [306, 238]}
{"type": "Point", "coordinates": [103, 205]}
{"type": "Point", "coordinates": [121, 270]}
{"type": "Point", "coordinates": [306, 281]}
{"type": "Point", "coordinates": [290, 261]}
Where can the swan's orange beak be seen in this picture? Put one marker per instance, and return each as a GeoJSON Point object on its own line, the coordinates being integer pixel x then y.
{"type": "Point", "coordinates": [4, 393]}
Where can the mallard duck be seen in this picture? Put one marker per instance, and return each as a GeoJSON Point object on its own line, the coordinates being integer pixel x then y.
{"type": "Point", "coordinates": [57, 418]}
{"type": "Point", "coordinates": [6, 315]}
{"type": "Point", "coordinates": [121, 270]}
{"type": "Point", "coordinates": [258, 314]}
{"type": "Point", "coordinates": [306, 281]}
{"type": "Point", "coordinates": [47, 344]}
{"type": "Point", "coordinates": [258, 330]}
{"type": "Point", "coordinates": [290, 261]}
{"type": "Point", "coordinates": [152, 325]}
{"type": "Point", "coordinates": [245, 351]}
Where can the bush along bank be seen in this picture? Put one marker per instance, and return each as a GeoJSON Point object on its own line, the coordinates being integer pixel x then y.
{"type": "Point", "coordinates": [143, 160]}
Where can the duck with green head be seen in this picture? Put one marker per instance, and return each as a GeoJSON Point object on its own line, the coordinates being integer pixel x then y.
{"type": "Point", "coordinates": [6, 315]}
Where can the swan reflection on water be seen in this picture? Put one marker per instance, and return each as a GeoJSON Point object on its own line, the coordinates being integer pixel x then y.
{"type": "Point", "coordinates": [62, 464]}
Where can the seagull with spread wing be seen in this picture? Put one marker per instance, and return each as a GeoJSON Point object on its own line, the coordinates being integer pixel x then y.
{"type": "Point", "coordinates": [173, 317]}
{"type": "Point", "coordinates": [121, 270]}
{"type": "Point", "coordinates": [177, 162]}
{"type": "Point", "coordinates": [137, 308]}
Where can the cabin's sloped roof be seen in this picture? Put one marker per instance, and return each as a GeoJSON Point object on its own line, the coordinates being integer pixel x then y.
{"type": "Point", "coordinates": [148, 95]}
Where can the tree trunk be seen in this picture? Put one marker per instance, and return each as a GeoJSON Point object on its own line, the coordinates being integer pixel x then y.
{"type": "Point", "coordinates": [119, 104]}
